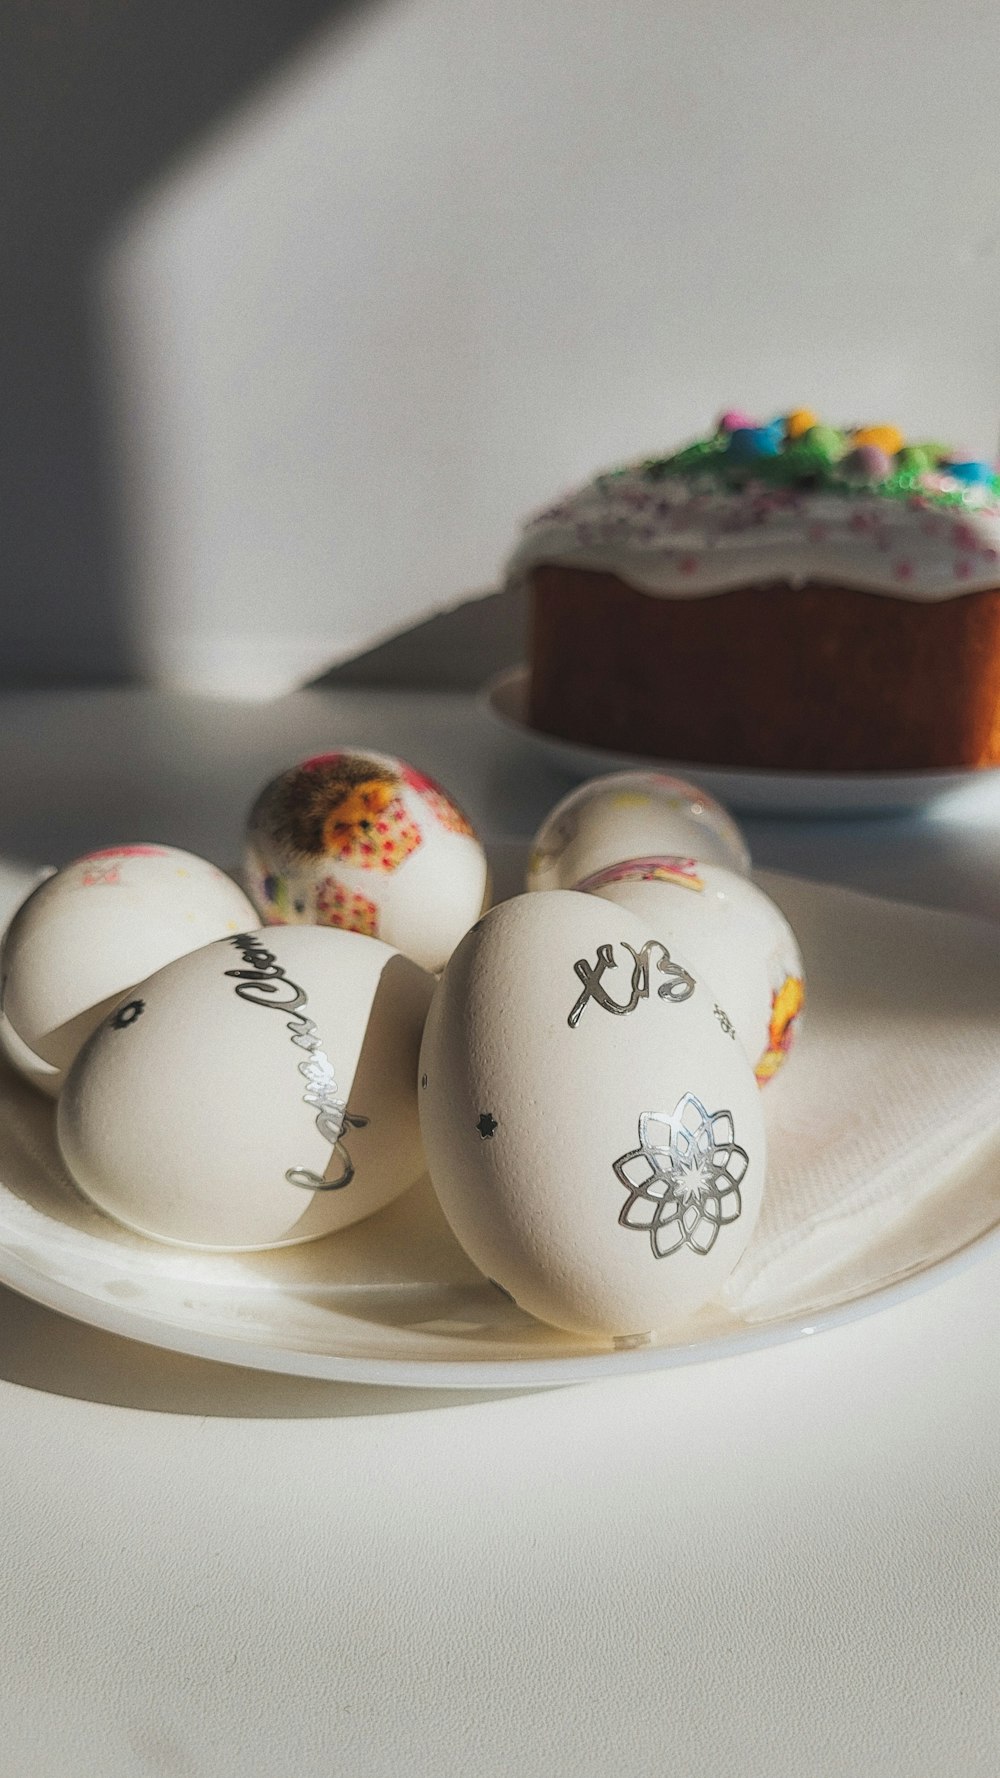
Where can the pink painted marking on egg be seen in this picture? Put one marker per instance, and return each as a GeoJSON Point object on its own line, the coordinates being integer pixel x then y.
{"type": "Point", "coordinates": [903, 570]}
{"type": "Point", "coordinates": [126, 852]}
{"type": "Point", "coordinates": [688, 565]}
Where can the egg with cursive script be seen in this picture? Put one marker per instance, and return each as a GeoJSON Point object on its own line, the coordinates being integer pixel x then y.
{"type": "Point", "coordinates": [257, 1093]}
{"type": "Point", "coordinates": [364, 842]}
{"type": "Point", "coordinates": [592, 1127]}
{"type": "Point", "coordinates": [89, 931]}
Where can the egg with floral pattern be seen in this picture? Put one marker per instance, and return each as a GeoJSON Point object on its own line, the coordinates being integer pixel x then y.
{"type": "Point", "coordinates": [632, 815]}
{"type": "Point", "coordinates": [733, 935]}
{"type": "Point", "coordinates": [364, 842]}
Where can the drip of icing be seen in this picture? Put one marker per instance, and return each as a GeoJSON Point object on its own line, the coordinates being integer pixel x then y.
{"type": "Point", "coordinates": [732, 510]}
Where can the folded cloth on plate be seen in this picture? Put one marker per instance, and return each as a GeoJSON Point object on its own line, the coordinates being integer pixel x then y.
{"type": "Point", "coordinates": [884, 1125]}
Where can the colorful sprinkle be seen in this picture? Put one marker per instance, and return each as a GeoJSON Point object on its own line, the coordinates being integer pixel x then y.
{"type": "Point", "coordinates": [800, 421]}
{"type": "Point", "coordinates": [755, 441]}
{"type": "Point", "coordinates": [735, 421]}
{"type": "Point", "coordinates": [918, 459]}
{"type": "Point", "coordinates": [969, 470]}
{"type": "Point", "coordinates": [784, 458]}
{"type": "Point", "coordinates": [867, 463]}
{"type": "Point", "coordinates": [886, 438]}
{"type": "Point", "coordinates": [963, 534]}
{"type": "Point", "coordinates": [826, 442]}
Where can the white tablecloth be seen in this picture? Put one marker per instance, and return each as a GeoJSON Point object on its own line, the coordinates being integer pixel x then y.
{"type": "Point", "coordinates": [780, 1566]}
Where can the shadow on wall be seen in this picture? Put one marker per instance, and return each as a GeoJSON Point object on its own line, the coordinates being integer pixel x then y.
{"type": "Point", "coordinates": [95, 102]}
{"type": "Point", "coordinates": [456, 650]}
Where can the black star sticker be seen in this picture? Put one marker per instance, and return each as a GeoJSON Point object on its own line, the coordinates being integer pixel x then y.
{"type": "Point", "coordinates": [487, 1125]}
{"type": "Point", "coordinates": [127, 1015]}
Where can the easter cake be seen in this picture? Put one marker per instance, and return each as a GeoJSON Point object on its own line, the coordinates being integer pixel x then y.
{"type": "Point", "coordinates": [787, 595]}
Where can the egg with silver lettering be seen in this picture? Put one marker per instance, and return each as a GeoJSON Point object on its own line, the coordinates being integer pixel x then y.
{"type": "Point", "coordinates": [258, 1093]}
{"type": "Point", "coordinates": [90, 930]}
{"type": "Point", "coordinates": [735, 936]}
{"type": "Point", "coordinates": [592, 1127]}
{"type": "Point", "coordinates": [632, 815]}
{"type": "Point", "coordinates": [363, 842]}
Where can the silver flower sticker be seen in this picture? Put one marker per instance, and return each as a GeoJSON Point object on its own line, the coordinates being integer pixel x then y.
{"type": "Point", "coordinates": [683, 1181]}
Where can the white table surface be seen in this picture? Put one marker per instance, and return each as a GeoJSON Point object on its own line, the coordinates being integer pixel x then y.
{"type": "Point", "coordinates": [780, 1566]}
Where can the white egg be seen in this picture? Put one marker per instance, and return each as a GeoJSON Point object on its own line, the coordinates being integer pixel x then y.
{"type": "Point", "coordinates": [729, 932]}
{"type": "Point", "coordinates": [258, 1093]}
{"type": "Point", "coordinates": [362, 841]}
{"type": "Point", "coordinates": [31, 1067]}
{"type": "Point", "coordinates": [632, 815]}
{"type": "Point", "coordinates": [24, 1061]}
{"type": "Point", "coordinates": [592, 1127]}
{"type": "Point", "coordinates": [91, 930]}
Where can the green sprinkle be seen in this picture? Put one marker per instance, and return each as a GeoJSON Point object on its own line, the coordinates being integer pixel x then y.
{"type": "Point", "coordinates": [816, 460]}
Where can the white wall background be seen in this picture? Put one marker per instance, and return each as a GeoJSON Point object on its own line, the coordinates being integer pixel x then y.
{"type": "Point", "coordinates": [466, 251]}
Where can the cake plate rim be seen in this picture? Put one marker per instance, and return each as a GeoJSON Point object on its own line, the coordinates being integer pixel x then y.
{"type": "Point", "coordinates": [753, 790]}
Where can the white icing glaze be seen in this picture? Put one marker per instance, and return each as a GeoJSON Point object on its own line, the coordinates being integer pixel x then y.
{"type": "Point", "coordinates": [684, 537]}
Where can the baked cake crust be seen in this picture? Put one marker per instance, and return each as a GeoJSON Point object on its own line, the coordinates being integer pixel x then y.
{"type": "Point", "coordinates": [810, 678]}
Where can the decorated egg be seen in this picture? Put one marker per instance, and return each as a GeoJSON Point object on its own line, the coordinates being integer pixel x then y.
{"type": "Point", "coordinates": [92, 929]}
{"type": "Point", "coordinates": [632, 815]}
{"type": "Point", "coordinates": [363, 842]}
{"type": "Point", "coordinates": [257, 1093]}
{"type": "Point", "coordinates": [731, 933]}
{"type": "Point", "coordinates": [591, 1124]}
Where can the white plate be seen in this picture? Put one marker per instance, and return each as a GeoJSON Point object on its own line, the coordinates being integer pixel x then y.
{"type": "Point", "coordinates": [752, 790]}
{"type": "Point", "coordinates": [394, 1300]}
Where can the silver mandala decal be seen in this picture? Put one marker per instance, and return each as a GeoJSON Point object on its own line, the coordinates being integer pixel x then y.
{"type": "Point", "coordinates": [683, 1181]}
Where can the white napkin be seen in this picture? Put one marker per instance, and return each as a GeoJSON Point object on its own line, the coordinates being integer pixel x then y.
{"type": "Point", "coordinates": [884, 1125]}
